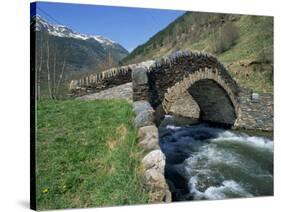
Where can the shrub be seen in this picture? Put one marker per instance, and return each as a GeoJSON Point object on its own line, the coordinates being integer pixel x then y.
{"type": "Point", "coordinates": [227, 36]}
{"type": "Point", "coordinates": [266, 54]}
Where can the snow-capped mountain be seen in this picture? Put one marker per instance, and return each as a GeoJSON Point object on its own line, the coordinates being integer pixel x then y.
{"type": "Point", "coordinates": [83, 53]}
{"type": "Point", "coordinates": [63, 31]}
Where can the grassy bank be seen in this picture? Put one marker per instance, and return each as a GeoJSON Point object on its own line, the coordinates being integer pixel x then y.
{"type": "Point", "coordinates": [87, 155]}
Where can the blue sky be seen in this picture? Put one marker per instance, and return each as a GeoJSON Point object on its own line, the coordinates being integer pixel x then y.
{"type": "Point", "coordinates": [128, 26]}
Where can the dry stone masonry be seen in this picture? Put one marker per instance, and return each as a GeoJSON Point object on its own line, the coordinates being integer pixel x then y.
{"type": "Point", "coordinates": [106, 79]}
{"type": "Point", "coordinates": [153, 164]}
{"type": "Point", "coordinates": [98, 82]}
{"type": "Point", "coordinates": [256, 111]}
{"type": "Point", "coordinates": [185, 106]}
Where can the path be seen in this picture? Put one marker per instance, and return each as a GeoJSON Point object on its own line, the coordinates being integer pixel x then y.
{"type": "Point", "coordinates": [123, 91]}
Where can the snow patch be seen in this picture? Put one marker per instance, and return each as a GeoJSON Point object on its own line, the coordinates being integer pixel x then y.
{"type": "Point", "coordinates": [63, 31]}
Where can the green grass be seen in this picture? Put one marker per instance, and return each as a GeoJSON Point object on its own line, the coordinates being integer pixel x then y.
{"type": "Point", "coordinates": [87, 155]}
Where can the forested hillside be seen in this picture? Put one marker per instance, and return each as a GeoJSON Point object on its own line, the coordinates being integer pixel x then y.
{"type": "Point", "coordinates": [243, 43]}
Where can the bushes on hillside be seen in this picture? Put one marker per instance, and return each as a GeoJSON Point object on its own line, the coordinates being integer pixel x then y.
{"type": "Point", "coordinates": [225, 37]}
{"type": "Point", "coordinates": [265, 38]}
{"type": "Point", "coordinates": [265, 55]}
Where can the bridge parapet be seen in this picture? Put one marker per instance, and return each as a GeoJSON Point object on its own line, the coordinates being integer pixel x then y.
{"type": "Point", "coordinates": [105, 79]}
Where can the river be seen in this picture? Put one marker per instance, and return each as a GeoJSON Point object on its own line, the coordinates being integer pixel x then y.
{"type": "Point", "coordinates": [207, 162]}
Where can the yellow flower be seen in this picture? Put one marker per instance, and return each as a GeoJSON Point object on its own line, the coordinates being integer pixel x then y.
{"type": "Point", "coordinates": [46, 190]}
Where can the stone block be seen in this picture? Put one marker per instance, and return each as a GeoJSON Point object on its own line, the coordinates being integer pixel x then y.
{"type": "Point", "coordinates": [139, 76]}
{"type": "Point", "coordinates": [144, 118]}
{"type": "Point", "coordinates": [140, 106]}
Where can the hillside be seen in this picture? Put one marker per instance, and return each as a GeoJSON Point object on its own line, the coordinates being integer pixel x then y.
{"type": "Point", "coordinates": [243, 43]}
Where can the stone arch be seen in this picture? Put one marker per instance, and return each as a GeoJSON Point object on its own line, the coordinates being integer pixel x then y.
{"type": "Point", "coordinates": [171, 76]}
{"type": "Point", "coordinates": [215, 99]}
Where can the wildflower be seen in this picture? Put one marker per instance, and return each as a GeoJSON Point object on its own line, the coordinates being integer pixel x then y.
{"type": "Point", "coordinates": [46, 190]}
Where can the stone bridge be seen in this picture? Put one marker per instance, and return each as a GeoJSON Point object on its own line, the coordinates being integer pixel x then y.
{"type": "Point", "coordinates": [199, 75]}
{"type": "Point", "coordinates": [202, 75]}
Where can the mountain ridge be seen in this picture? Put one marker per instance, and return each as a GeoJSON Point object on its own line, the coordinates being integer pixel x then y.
{"type": "Point", "coordinates": [63, 31]}
{"type": "Point", "coordinates": [95, 50]}
{"type": "Point", "coordinates": [59, 50]}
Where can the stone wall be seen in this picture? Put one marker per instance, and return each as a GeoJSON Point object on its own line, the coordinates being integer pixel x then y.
{"type": "Point", "coordinates": [185, 106]}
{"type": "Point", "coordinates": [106, 79]}
{"type": "Point", "coordinates": [101, 81]}
{"type": "Point", "coordinates": [153, 164]}
{"type": "Point", "coordinates": [256, 112]}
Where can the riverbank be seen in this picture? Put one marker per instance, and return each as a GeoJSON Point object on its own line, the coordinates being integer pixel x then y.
{"type": "Point", "coordinates": [87, 155]}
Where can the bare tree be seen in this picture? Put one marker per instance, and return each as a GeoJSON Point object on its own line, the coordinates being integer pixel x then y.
{"type": "Point", "coordinates": [54, 72]}
{"type": "Point", "coordinates": [108, 63]}
{"type": "Point", "coordinates": [60, 77]}
{"type": "Point", "coordinates": [39, 68]}
{"type": "Point", "coordinates": [48, 69]}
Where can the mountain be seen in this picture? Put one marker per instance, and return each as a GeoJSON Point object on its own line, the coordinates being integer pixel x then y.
{"type": "Point", "coordinates": [243, 43]}
{"type": "Point", "coordinates": [84, 53]}
{"type": "Point", "coordinates": [40, 24]}
{"type": "Point", "coordinates": [62, 54]}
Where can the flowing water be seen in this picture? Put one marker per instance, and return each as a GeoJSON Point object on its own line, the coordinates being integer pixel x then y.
{"type": "Point", "coordinates": [204, 162]}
